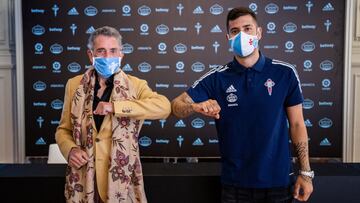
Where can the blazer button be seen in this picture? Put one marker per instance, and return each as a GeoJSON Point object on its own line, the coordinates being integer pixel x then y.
{"type": "Point", "coordinates": [97, 140]}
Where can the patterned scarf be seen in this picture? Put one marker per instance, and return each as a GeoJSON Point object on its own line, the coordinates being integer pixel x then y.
{"type": "Point", "coordinates": [125, 179]}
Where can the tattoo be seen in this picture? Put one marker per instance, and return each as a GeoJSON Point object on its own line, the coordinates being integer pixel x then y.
{"type": "Point", "coordinates": [301, 150]}
{"type": "Point", "coordinates": [307, 179]}
{"type": "Point", "coordinates": [181, 106]}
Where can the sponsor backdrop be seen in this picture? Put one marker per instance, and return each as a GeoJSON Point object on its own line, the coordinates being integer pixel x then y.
{"type": "Point", "coordinates": [173, 43]}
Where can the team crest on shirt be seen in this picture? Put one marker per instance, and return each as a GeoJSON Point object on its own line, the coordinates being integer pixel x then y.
{"type": "Point", "coordinates": [269, 84]}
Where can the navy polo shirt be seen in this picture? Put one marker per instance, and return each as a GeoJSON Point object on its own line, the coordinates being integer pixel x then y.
{"type": "Point", "coordinates": [252, 130]}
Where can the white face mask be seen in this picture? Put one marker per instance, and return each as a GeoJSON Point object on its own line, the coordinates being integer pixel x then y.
{"type": "Point", "coordinates": [243, 44]}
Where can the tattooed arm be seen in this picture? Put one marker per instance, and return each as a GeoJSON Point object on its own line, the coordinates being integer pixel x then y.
{"type": "Point", "coordinates": [299, 139]}
{"type": "Point", "coordinates": [183, 106]}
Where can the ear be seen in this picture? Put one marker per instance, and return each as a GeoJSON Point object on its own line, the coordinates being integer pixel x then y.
{"type": "Point", "coordinates": [227, 36]}
{"type": "Point", "coordinates": [259, 33]}
{"type": "Point", "coordinates": [90, 55]}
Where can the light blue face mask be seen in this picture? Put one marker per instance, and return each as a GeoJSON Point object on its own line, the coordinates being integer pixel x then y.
{"type": "Point", "coordinates": [243, 44]}
{"type": "Point", "coordinates": [106, 67]}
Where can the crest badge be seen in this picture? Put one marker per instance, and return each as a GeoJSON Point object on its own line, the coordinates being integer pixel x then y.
{"type": "Point", "coordinates": [269, 84]}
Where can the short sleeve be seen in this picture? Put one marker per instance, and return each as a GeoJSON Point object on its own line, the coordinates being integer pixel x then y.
{"type": "Point", "coordinates": [201, 90]}
{"type": "Point", "coordinates": [294, 96]}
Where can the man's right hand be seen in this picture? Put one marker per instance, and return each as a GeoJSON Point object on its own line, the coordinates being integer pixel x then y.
{"type": "Point", "coordinates": [77, 158]}
{"type": "Point", "coordinates": [208, 108]}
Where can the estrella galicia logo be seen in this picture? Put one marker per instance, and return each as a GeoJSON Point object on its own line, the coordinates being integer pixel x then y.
{"type": "Point", "coordinates": [90, 11]}
{"type": "Point", "coordinates": [198, 67]}
{"type": "Point", "coordinates": [326, 65]}
{"type": "Point", "coordinates": [39, 86]}
{"type": "Point", "coordinates": [197, 123]}
{"type": "Point", "coordinates": [289, 27]}
{"type": "Point", "coordinates": [308, 46]}
{"type": "Point", "coordinates": [145, 141]}
{"type": "Point", "coordinates": [56, 49]}
{"type": "Point", "coordinates": [144, 10]}
{"type": "Point", "coordinates": [144, 67]}
{"type": "Point", "coordinates": [271, 8]}
{"type": "Point", "coordinates": [127, 48]}
{"type": "Point", "coordinates": [231, 98]}
{"type": "Point", "coordinates": [162, 29]}
{"type": "Point", "coordinates": [216, 9]}
{"type": "Point", "coordinates": [57, 104]}
{"type": "Point", "coordinates": [325, 123]}
{"type": "Point", "coordinates": [308, 104]}
{"type": "Point", "coordinates": [74, 67]}
{"type": "Point", "coordinates": [38, 30]}
{"type": "Point", "coordinates": [180, 48]}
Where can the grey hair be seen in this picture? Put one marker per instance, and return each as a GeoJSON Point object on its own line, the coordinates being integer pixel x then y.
{"type": "Point", "coordinates": [106, 31]}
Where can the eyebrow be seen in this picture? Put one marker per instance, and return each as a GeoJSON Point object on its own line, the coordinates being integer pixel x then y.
{"type": "Point", "coordinates": [244, 26]}
{"type": "Point", "coordinates": [103, 49]}
{"type": "Point", "coordinates": [247, 25]}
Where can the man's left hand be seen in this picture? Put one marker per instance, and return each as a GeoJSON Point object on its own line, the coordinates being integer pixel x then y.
{"type": "Point", "coordinates": [104, 108]}
{"type": "Point", "coordinates": [303, 188]}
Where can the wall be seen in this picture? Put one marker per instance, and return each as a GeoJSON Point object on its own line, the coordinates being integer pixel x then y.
{"type": "Point", "coordinates": [7, 81]}
{"type": "Point", "coordinates": [355, 86]}
{"type": "Point", "coordinates": [11, 124]}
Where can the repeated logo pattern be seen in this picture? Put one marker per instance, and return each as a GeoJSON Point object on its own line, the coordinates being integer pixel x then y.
{"type": "Point", "coordinates": [173, 44]}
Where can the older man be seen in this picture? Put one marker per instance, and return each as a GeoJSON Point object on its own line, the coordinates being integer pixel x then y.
{"type": "Point", "coordinates": [103, 112]}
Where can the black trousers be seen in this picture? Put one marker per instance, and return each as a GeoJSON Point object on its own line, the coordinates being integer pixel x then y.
{"type": "Point", "coordinates": [231, 194]}
{"type": "Point", "coordinates": [97, 198]}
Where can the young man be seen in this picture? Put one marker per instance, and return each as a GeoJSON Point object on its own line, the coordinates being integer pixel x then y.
{"type": "Point", "coordinates": [251, 98]}
{"type": "Point", "coordinates": [103, 112]}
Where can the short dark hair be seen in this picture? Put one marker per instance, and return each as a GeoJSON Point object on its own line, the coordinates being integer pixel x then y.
{"type": "Point", "coordinates": [237, 12]}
